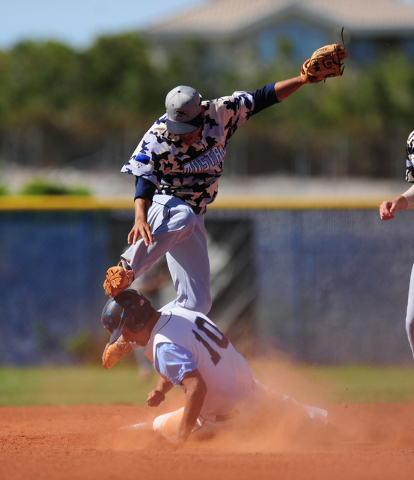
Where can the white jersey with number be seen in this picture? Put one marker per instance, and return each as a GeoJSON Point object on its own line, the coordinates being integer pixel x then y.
{"type": "Point", "coordinates": [226, 373]}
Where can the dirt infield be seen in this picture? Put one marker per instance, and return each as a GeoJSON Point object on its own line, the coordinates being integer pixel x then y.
{"type": "Point", "coordinates": [83, 442]}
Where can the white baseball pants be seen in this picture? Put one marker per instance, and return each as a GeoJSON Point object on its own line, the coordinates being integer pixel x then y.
{"type": "Point", "coordinates": [409, 321]}
{"type": "Point", "coordinates": [180, 235]}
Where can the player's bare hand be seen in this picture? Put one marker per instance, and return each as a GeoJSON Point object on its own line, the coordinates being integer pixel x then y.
{"type": "Point", "coordinates": [141, 230]}
{"type": "Point", "coordinates": [155, 397]}
{"type": "Point", "coordinates": [388, 207]}
{"type": "Point", "coordinates": [385, 210]}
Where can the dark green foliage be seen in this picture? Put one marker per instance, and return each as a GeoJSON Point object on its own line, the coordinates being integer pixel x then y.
{"type": "Point", "coordinates": [42, 186]}
{"type": "Point", "coordinates": [360, 121]}
{"type": "Point", "coordinates": [58, 105]}
{"type": "Point", "coordinates": [43, 79]}
{"type": "Point", "coordinates": [118, 78]}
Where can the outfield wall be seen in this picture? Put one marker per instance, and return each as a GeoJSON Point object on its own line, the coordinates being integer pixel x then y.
{"type": "Point", "coordinates": [324, 280]}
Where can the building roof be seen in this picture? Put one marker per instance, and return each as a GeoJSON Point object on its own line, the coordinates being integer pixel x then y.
{"type": "Point", "coordinates": [224, 19]}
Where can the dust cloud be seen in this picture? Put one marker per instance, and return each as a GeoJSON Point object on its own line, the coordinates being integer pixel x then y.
{"type": "Point", "coordinates": [276, 429]}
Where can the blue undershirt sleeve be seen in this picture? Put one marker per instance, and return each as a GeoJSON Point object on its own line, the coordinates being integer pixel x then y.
{"type": "Point", "coordinates": [144, 188]}
{"type": "Point", "coordinates": [264, 97]}
{"type": "Point", "coordinates": [173, 362]}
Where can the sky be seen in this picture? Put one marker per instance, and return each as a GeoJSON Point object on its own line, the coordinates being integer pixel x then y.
{"type": "Point", "coordinates": [78, 22]}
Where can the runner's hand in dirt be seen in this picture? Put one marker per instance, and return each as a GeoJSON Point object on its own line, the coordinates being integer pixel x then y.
{"type": "Point", "coordinates": [155, 397]}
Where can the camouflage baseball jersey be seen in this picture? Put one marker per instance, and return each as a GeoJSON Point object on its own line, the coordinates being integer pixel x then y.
{"type": "Point", "coordinates": [409, 176]}
{"type": "Point", "coordinates": [192, 172]}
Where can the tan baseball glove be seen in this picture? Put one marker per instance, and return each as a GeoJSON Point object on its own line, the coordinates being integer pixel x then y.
{"type": "Point", "coordinates": [117, 280]}
{"type": "Point", "coordinates": [115, 352]}
{"type": "Point", "coordinates": [326, 62]}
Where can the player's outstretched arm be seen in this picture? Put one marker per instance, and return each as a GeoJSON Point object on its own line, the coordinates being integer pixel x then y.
{"type": "Point", "coordinates": [155, 397]}
{"type": "Point", "coordinates": [141, 229]}
{"type": "Point", "coordinates": [285, 88]}
{"type": "Point", "coordinates": [388, 207]}
{"type": "Point", "coordinates": [195, 392]}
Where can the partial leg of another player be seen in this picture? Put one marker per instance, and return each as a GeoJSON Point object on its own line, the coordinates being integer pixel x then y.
{"type": "Point", "coordinates": [409, 321]}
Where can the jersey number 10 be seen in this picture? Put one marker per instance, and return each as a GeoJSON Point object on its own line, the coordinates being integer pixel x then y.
{"type": "Point", "coordinates": [220, 339]}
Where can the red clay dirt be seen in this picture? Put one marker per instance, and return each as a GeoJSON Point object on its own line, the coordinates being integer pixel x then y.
{"type": "Point", "coordinates": [84, 442]}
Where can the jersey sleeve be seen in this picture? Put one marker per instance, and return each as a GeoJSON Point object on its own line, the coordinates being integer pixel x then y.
{"type": "Point", "coordinates": [173, 362]}
{"type": "Point", "coordinates": [144, 188]}
{"type": "Point", "coordinates": [229, 112]}
{"type": "Point", "coordinates": [145, 161]}
{"type": "Point", "coordinates": [264, 97]}
{"type": "Point", "coordinates": [238, 107]}
{"type": "Point", "coordinates": [409, 175]}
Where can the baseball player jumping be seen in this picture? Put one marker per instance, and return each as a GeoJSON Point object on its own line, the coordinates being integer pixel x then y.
{"type": "Point", "coordinates": [387, 210]}
{"type": "Point", "coordinates": [187, 349]}
{"type": "Point", "coordinates": [177, 166]}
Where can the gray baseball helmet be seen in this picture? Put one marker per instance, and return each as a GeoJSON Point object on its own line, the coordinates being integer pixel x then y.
{"type": "Point", "coordinates": [183, 106]}
{"type": "Point", "coordinates": [129, 308]}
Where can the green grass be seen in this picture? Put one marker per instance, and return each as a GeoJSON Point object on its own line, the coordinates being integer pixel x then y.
{"type": "Point", "coordinates": [364, 383]}
{"type": "Point", "coordinates": [122, 385]}
{"type": "Point", "coordinates": [73, 385]}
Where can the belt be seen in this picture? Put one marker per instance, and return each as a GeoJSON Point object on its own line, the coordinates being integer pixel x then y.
{"type": "Point", "coordinates": [227, 416]}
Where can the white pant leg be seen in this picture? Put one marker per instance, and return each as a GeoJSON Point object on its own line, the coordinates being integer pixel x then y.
{"type": "Point", "coordinates": [181, 236]}
{"type": "Point", "coordinates": [171, 221]}
{"type": "Point", "coordinates": [167, 426]}
{"type": "Point", "coordinates": [409, 321]}
{"type": "Point", "coordinates": [190, 270]}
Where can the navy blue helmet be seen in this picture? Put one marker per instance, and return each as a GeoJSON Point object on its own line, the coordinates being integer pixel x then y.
{"type": "Point", "coordinates": [127, 309]}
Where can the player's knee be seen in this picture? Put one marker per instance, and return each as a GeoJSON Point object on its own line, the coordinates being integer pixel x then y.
{"type": "Point", "coordinates": [167, 424]}
{"type": "Point", "coordinates": [200, 304]}
{"type": "Point", "coordinates": [159, 423]}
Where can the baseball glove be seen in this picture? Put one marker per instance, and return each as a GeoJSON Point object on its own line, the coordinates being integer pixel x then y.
{"type": "Point", "coordinates": [118, 279]}
{"type": "Point", "coordinates": [115, 352]}
{"type": "Point", "coordinates": [325, 63]}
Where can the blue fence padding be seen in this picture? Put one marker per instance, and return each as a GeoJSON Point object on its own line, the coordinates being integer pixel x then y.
{"type": "Point", "coordinates": [332, 284]}
{"type": "Point", "coordinates": [51, 271]}
{"type": "Point", "coordinates": [336, 286]}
